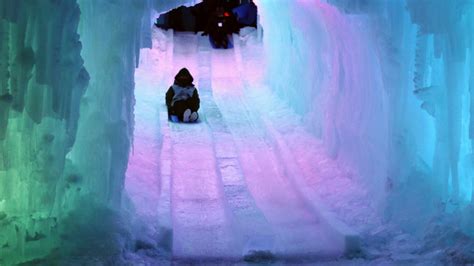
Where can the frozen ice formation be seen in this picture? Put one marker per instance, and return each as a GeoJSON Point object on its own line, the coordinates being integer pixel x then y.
{"type": "Point", "coordinates": [383, 86]}
{"type": "Point", "coordinates": [66, 116]}
{"type": "Point", "coordinates": [42, 81]}
{"type": "Point", "coordinates": [386, 85]}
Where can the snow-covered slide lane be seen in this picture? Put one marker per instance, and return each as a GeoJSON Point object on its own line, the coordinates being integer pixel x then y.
{"type": "Point", "coordinates": [254, 233]}
{"type": "Point", "coordinates": [202, 229]}
{"type": "Point", "coordinates": [225, 188]}
{"type": "Point", "coordinates": [213, 186]}
{"type": "Point", "coordinates": [300, 232]}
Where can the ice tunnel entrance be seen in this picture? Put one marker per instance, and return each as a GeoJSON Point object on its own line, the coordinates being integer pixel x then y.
{"type": "Point", "coordinates": [346, 112]}
{"type": "Point", "coordinates": [232, 179]}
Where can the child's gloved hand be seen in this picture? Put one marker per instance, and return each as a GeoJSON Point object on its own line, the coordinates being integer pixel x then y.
{"type": "Point", "coordinates": [174, 118]}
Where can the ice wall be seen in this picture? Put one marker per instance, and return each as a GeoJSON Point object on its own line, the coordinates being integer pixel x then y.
{"type": "Point", "coordinates": [165, 5]}
{"type": "Point", "coordinates": [42, 79]}
{"type": "Point", "coordinates": [111, 34]}
{"type": "Point", "coordinates": [66, 121]}
{"type": "Point", "coordinates": [386, 85]}
{"type": "Point", "coordinates": [111, 44]}
{"type": "Point", "coordinates": [443, 79]}
{"type": "Point", "coordinates": [322, 63]}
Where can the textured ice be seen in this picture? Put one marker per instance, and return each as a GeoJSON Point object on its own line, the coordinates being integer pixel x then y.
{"type": "Point", "coordinates": [228, 186]}
{"type": "Point", "coordinates": [42, 79]}
{"type": "Point", "coordinates": [66, 121]}
{"type": "Point", "coordinates": [387, 90]}
{"type": "Point", "coordinates": [372, 98]}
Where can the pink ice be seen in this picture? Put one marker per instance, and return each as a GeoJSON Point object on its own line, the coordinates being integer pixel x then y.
{"type": "Point", "coordinates": [246, 177]}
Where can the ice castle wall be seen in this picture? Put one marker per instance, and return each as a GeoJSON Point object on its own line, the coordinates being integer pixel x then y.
{"type": "Point", "coordinates": [42, 79]}
{"type": "Point", "coordinates": [385, 84]}
{"type": "Point", "coordinates": [66, 121]}
{"type": "Point", "coordinates": [111, 37]}
{"type": "Point", "coordinates": [325, 65]}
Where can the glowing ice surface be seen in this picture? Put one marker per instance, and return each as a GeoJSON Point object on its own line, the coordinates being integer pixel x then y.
{"type": "Point", "coordinates": [230, 189]}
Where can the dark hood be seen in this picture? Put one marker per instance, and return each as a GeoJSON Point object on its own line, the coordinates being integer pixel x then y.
{"type": "Point", "coordinates": [183, 78]}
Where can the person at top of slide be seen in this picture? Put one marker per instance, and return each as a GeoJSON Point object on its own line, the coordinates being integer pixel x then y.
{"type": "Point", "coordinates": [182, 98]}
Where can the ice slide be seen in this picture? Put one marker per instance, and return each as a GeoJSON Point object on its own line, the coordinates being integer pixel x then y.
{"type": "Point", "coordinates": [227, 185]}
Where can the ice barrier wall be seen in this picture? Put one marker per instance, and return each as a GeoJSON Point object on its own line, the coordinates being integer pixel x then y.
{"type": "Point", "coordinates": [42, 79]}
{"type": "Point", "coordinates": [319, 61]}
{"type": "Point", "coordinates": [386, 85]}
{"type": "Point", "coordinates": [66, 121]}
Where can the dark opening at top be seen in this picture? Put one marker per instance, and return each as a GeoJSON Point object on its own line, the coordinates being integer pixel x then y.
{"type": "Point", "coordinates": [209, 16]}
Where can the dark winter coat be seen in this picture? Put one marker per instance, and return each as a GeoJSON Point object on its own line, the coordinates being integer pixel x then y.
{"type": "Point", "coordinates": [183, 89]}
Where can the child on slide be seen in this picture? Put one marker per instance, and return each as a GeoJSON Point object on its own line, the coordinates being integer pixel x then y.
{"type": "Point", "coordinates": [182, 99]}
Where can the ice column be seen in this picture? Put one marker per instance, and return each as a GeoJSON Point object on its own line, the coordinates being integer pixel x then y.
{"type": "Point", "coordinates": [42, 79]}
